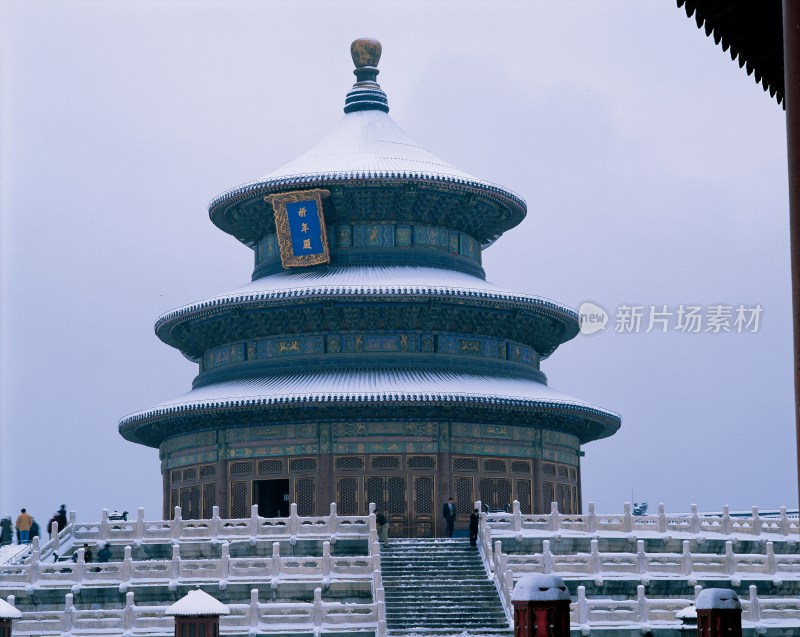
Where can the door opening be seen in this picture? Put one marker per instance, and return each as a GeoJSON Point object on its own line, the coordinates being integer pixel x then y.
{"type": "Point", "coordinates": [272, 498]}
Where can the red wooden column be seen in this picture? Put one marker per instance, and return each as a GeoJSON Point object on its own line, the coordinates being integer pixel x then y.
{"type": "Point", "coordinates": [197, 615]}
{"type": "Point", "coordinates": [541, 607]}
{"type": "Point", "coordinates": [7, 615]}
{"type": "Point", "coordinates": [791, 77]}
{"type": "Point", "coordinates": [719, 613]}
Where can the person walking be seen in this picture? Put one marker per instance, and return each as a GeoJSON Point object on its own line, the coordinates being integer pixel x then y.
{"type": "Point", "coordinates": [5, 531]}
{"type": "Point", "coordinates": [449, 514]}
{"type": "Point", "coordinates": [104, 554]}
{"type": "Point", "coordinates": [474, 521]}
{"type": "Point", "coordinates": [61, 518]}
{"type": "Point", "coordinates": [23, 526]}
{"type": "Point", "coordinates": [383, 528]}
{"type": "Point", "coordinates": [34, 532]}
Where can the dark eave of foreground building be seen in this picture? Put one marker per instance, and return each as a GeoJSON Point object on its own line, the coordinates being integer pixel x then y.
{"type": "Point", "coordinates": [751, 31]}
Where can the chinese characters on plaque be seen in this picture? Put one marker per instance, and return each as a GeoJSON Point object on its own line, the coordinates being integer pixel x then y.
{"type": "Point", "coordinates": [300, 225]}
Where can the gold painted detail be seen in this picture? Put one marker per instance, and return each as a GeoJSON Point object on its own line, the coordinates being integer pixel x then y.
{"type": "Point", "coordinates": [278, 202]}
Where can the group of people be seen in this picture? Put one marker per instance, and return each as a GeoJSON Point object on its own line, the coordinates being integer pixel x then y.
{"type": "Point", "coordinates": [449, 515]}
{"type": "Point", "coordinates": [27, 527]}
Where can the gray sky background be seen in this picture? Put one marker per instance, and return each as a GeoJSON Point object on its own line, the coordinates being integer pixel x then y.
{"type": "Point", "coordinates": [653, 167]}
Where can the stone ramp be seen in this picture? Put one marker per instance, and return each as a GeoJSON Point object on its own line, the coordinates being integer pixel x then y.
{"type": "Point", "coordinates": [439, 587]}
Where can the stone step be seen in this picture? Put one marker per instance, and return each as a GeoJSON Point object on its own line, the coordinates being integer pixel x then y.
{"type": "Point", "coordinates": [457, 613]}
{"type": "Point", "coordinates": [494, 630]}
{"type": "Point", "coordinates": [439, 587]}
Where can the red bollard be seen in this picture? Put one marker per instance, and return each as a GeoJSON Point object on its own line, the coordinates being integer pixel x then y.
{"type": "Point", "coordinates": [719, 613]}
{"type": "Point", "coordinates": [197, 614]}
{"type": "Point", "coordinates": [541, 607]}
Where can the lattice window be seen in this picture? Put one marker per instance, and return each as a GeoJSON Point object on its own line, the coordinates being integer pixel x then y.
{"type": "Point", "coordinates": [463, 495]}
{"type": "Point", "coordinates": [396, 496]}
{"type": "Point", "coordinates": [207, 471]}
{"type": "Point", "coordinates": [563, 498]}
{"type": "Point", "coordinates": [486, 490]}
{"type": "Point", "coordinates": [503, 490]}
{"type": "Point", "coordinates": [384, 462]}
{"type": "Point", "coordinates": [270, 466]}
{"type": "Point", "coordinates": [563, 472]}
{"type": "Point", "coordinates": [465, 464]}
{"type": "Point", "coordinates": [209, 500]}
{"type": "Point", "coordinates": [349, 463]}
{"type": "Point", "coordinates": [239, 500]}
{"type": "Point", "coordinates": [241, 468]}
{"type": "Point", "coordinates": [190, 503]}
{"type": "Point", "coordinates": [173, 502]}
{"type": "Point", "coordinates": [303, 464]}
{"type": "Point", "coordinates": [347, 496]}
{"type": "Point", "coordinates": [185, 503]}
{"type": "Point", "coordinates": [524, 495]}
{"type": "Point", "coordinates": [573, 473]}
{"type": "Point", "coordinates": [175, 476]}
{"type": "Point", "coordinates": [548, 469]}
{"type": "Point", "coordinates": [189, 474]}
{"type": "Point", "coordinates": [194, 503]}
{"type": "Point", "coordinates": [574, 491]}
{"type": "Point", "coordinates": [494, 466]}
{"type": "Point", "coordinates": [548, 495]}
{"type": "Point", "coordinates": [304, 492]}
{"type": "Point", "coordinates": [421, 462]}
{"type": "Point", "coordinates": [520, 466]}
{"type": "Point", "coordinates": [373, 487]}
{"type": "Point", "coordinates": [423, 495]}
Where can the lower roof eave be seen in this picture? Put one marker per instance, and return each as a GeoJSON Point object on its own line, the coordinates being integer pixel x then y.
{"type": "Point", "coordinates": [373, 390]}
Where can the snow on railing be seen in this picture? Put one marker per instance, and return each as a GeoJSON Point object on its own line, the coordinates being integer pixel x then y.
{"type": "Point", "coordinates": [218, 570]}
{"type": "Point", "coordinates": [693, 523]}
{"type": "Point", "coordinates": [505, 569]}
{"type": "Point", "coordinates": [495, 571]}
{"type": "Point", "coordinates": [254, 527]}
{"type": "Point", "coordinates": [274, 616]}
{"type": "Point", "coordinates": [643, 611]}
{"type": "Point", "coordinates": [729, 566]}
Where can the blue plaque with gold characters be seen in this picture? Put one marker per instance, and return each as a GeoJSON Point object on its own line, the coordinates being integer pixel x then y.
{"type": "Point", "coordinates": [300, 225]}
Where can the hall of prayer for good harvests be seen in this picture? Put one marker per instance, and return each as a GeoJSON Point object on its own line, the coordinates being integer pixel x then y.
{"type": "Point", "coordinates": [369, 359]}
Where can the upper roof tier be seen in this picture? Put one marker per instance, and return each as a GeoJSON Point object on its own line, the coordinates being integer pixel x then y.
{"type": "Point", "coordinates": [368, 149]}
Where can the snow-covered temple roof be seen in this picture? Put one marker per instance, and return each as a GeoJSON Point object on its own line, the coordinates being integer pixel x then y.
{"type": "Point", "coordinates": [364, 145]}
{"type": "Point", "coordinates": [377, 386]}
{"type": "Point", "coordinates": [367, 281]}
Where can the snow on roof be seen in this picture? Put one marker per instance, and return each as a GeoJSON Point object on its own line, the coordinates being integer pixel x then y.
{"type": "Point", "coordinates": [718, 598]}
{"type": "Point", "coordinates": [365, 144]}
{"type": "Point", "coordinates": [541, 588]}
{"type": "Point", "coordinates": [197, 603]}
{"type": "Point", "coordinates": [7, 611]}
{"type": "Point", "coordinates": [368, 280]}
{"type": "Point", "coordinates": [374, 386]}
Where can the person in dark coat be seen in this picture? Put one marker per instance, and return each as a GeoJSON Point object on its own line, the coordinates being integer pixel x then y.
{"type": "Point", "coordinates": [34, 532]}
{"type": "Point", "coordinates": [449, 514]}
{"type": "Point", "coordinates": [87, 554]}
{"type": "Point", "coordinates": [383, 528]}
{"type": "Point", "coordinates": [104, 554]}
{"type": "Point", "coordinates": [5, 531]}
{"type": "Point", "coordinates": [61, 518]}
{"type": "Point", "coordinates": [50, 525]}
{"type": "Point", "coordinates": [474, 521]}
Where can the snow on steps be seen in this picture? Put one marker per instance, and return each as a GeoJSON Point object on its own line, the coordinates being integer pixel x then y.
{"type": "Point", "coordinates": [439, 587]}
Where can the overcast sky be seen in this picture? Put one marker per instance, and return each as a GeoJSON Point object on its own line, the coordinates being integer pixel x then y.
{"type": "Point", "coordinates": [653, 167]}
